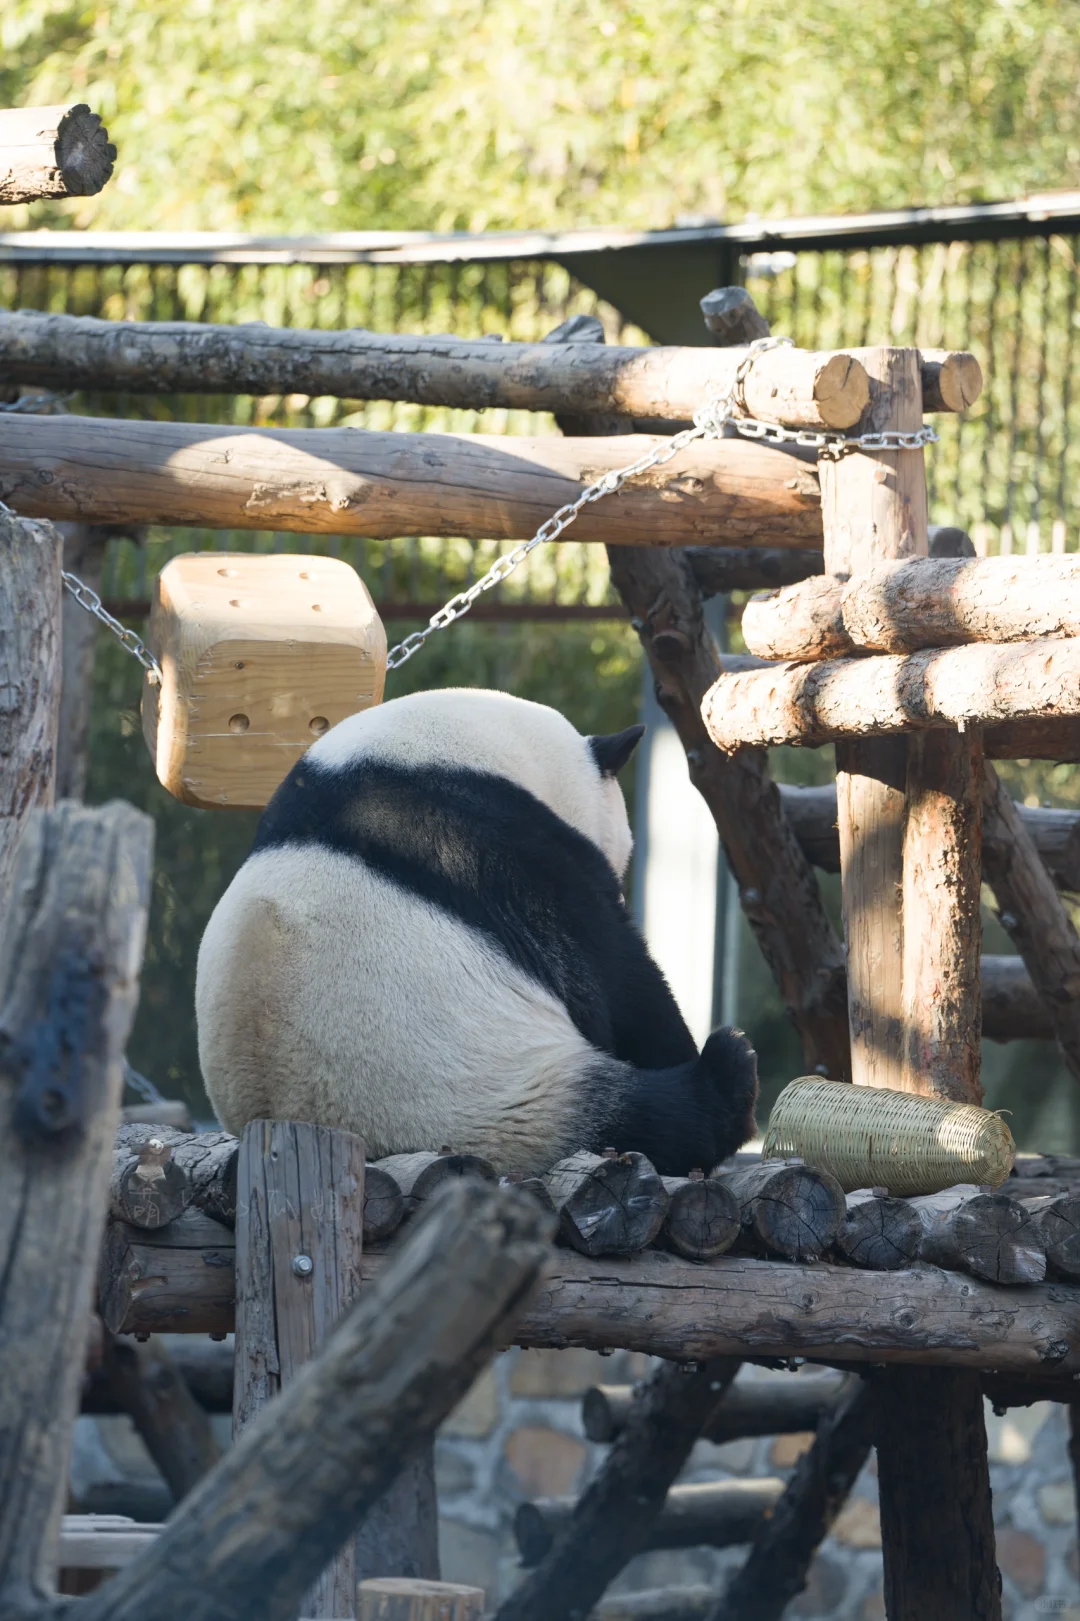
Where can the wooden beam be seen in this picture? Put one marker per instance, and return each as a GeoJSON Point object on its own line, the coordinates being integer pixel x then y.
{"type": "Point", "coordinates": [285, 1498]}
{"type": "Point", "coordinates": [618, 1509]}
{"type": "Point", "coordinates": [70, 951]}
{"type": "Point", "coordinates": [662, 1305]}
{"type": "Point", "coordinates": [716, 1514]}
{"type": "Point", "coordinates": [720, 569]}
{"type": "Point", "coordinates": [934, 1485]}
{"type": "Point", "coordinates": [48, 152]}
{"type": "Point", "coordinates": [348, 481]}
{"type": "Point", "coordinates": [778, 1405]}
{"type": "Point", "coordinates": [30, 610]}
{"type": "Point", "coordinates": [579, 378]}
{"type": "Point", "coordinates": [848, 699]}
{"type": "Point", "coordinates": [1054, 832]}
{"type": "Point", "coordinates": [1013, 1010]}
{"type": "Point", "coordinates": [776, 1569]}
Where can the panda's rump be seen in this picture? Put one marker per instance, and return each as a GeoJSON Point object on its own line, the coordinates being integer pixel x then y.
{"type": "Point", "coordinates": [327, 992]}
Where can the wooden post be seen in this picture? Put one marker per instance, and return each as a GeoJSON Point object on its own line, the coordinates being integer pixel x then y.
{"type": "Point", "coordinates": [70, 951]}
{"type": "Point", "coordinates": [874, 507]}
{"type": "Point", "coordinates": [30, 592]}
{"type": "Point", "coordinates": [391, 1598]}
{"type": "Point", "coordinates": [84, 555]}
{"type": "Point", "coordinates": [299, 1239]}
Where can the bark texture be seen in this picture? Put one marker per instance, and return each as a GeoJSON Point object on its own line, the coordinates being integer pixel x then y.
{"type": "Point", "coordinates": [802, 622]}
{"type": "Point", "coordinates": [607, 1205]}
{"type": "Point", "coordinates": [70, 954]}
{"type": "Point", "coordinates": [348, 481]}
{"type": "Point", "coordinates": [990, 1235]}
{"type": "Point", "coordinates": [786, 1210]}
{"type": "Point", "coordinates": [720, 569]}
{"type": "Point", "coordinates": [50, 152]}
{"type": "Point", "coordinates": [781, 1405]}
{"type": "Point", "coordinates": [947, 602]}
{"type": "Point", "coordinates": [811, 704]}
{"type": "Point", "coordinates": [879, 1232]}
{"type": "Point", "coordinates": [702, 1219]}
{"type": "Point", "coordinates": [30, 592]}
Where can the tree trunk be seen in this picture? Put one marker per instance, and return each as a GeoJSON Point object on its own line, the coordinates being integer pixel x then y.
{"type": "Point", "coordinates": [811, 704]}
{"type": "Point", "coordinates": [1031, 911]}
{"type": "Point", "coordinates": [1013, 1010]}
{"type": "Point", "coordinates": [70, 952]}
{"type": "Point", "coordinates": [50, 152]}
{"type": "Point", "coordinates": [348, 481]}
{"type": "Point", "coordinates": [941, 914]}
{"type": "Point", "coordinates": [283, 1501]}
{"type": "Point", "coordinates": [812, 814]}
{"type": "Point", "coordinates": [30, 592]}
{"type": "Point", "coordinates": [584, 379]}
{"type": "Point", "coordinates": [661, 1305]}
{"type": "Point", "coordinates": [616, 1513]}
{"type": "Point", "coordinates": [937, 1528]}
{"type": "Point", "coordinates": [776, 1569]}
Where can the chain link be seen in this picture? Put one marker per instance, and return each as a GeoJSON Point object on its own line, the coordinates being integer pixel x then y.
{"type": "Point", "coordinates": [709, 423]}
{"type": "Point", "coordinates": [88, 598]}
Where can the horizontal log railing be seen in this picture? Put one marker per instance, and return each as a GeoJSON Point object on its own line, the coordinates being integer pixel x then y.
{"type": "Point", "coordinates": [662, 1305]}
{"type": "Point", "coordinates": [811, 704]}
{"type": "Point", "coordinates": [382, 485]}
{"type": "Point", "coordinates": [793, 386]}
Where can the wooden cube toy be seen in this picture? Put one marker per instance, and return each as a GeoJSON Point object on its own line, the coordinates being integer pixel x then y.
{"type": "Point", "coordinates": [260, 654]}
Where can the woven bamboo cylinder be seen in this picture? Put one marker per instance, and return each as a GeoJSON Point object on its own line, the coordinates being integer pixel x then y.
{"type": "Point", "coordinates": [873, 1137]}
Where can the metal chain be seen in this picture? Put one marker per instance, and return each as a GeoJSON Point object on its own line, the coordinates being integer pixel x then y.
{"type": "Point", "coordinates": [88, 598]}
{"type": "Point", "coordinates": [709, 423]}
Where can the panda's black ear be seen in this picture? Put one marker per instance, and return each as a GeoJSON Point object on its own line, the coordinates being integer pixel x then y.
{"type": "Point", "coordinates": [611, 753]}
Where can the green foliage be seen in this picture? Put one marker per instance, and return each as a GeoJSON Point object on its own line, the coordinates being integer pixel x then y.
{"type": "Point", "coordinates": [477, 114]}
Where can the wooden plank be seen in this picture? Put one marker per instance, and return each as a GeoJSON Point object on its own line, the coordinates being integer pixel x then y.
{"type": "Point", "coordinates": [48, 152]}
{"type": "Point", "coordinates": [348, 481]}
{"type": "Point", "coordinates": [70, 952]}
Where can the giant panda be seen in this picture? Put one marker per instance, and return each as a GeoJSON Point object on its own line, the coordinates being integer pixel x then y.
{"type": "Point", "coordinates": [428, 945]}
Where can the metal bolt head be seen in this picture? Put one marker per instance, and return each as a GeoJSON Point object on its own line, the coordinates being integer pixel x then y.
{"type": "Point", "coordinates": [303, 1266]}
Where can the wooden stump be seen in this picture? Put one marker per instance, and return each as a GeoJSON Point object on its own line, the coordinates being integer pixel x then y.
{"type": "Point", "coordinates": [703, 1217]}
{"type": "Point", "coordinates": [393, 1598]}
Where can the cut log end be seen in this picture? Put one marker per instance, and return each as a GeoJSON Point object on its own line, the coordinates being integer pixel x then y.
{"type": "Point", "coordinates": [841, 391]}
{"type": "Point", "coordinates": [882, 1234]}
{"type": "Point", "coordinates": [952, 381]}
{"type": "Point", "coordinates": [607, 1206]}
{"type": "Point", "coordinates": [84, 154]}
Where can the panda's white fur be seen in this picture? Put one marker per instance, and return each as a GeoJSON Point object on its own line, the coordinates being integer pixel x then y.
{"type": "Point", "coordinates": [328, 991]}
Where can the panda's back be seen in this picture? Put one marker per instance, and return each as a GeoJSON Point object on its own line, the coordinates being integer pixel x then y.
{"type": "Point", "coordinates": [403, 945]}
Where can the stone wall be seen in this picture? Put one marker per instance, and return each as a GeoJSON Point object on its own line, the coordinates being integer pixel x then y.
{"type": "Point", "coordinates": [518, 1435]}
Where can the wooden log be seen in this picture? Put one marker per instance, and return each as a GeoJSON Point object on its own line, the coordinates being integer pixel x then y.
{"type": "Point", "coordinates": [720, 569]}
{"type": "Point", "coordinates": [284, 1500]}
{"type": "Point", "coordinates": [874, 506]}
{"type": "Point", "coordinates": [778, 1564]}
{"type": "Point", "coordinates": [616, 1513]}
{"type": "Point", "coordinates": [384, 1204]}
{"type": "Point", "coordinates": [165, 1112]}
{"type": "Point", "coordinates": [146, 1383]}
{"type": "Point", "coordinates": [396, 1598]}
{"type": "Point", "coordinates": [879, 1232]}
{"type": "Point", "coordinates": [937, 1528]}
{"type": "Point", "coordinates": [702, 1219]}
{"type": "Point", "coordinates": [990, 1235]}
{"type": "Point", "coordinates": [657, 1604]}
{"type": "Point", "coordinates": [801, 622]}
{"type": "Point", "coordinates": [775, 882]}
{"type": "Point", "coordinates": [1013, 1010]}
{"type": "Point", "coordinates": [534, 1187]}
{"type": "Point", "coordinates": [952, 380]}
{"type": "Point", "coordinates": [48, 152]}
{"type": "Point", "coordinates": [349, 481]}
{"type": "Point", "coordinates": [812, 814]}
{"type": "Point", "coordinates": [1031, 910]}
{"type": "Point", "coordinates": [949, 602]}
{"type": "Point", "coordinates": [419, 1176]}
{"type": "Point", "coordinates": [610, 1204]}
{"type": "Point", "coordinates": [811, 704]}
{"type": "Point", "coordinates": [299, 1239]}
{"type": "Point", "coordinates": [206, 1367]}
{"type": "Point", "coordinates": [786, 1210]}
{"type": "Point", "coordinates": [30, 593]}
{"type": "Point", "coordinates": [197, 1171]}
{"type": "Point", "coordinates": [1056, 1219]}
{"type": "Point", "coordinates": [662, 1305]}
{"type": "Point", "coordinates": [70, 952]}
{"type": "Point", "coordinates": [716, 1515]}
{"type": "Point", "coordinates": [1034, 738]}
{"type": "Point", "coordinates": [780, 1405]}
{"type": "Point", "coordinates": [942, 1002]}
{"type": "Point", "coordinates": [584, 379]}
